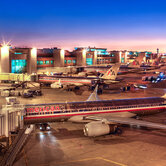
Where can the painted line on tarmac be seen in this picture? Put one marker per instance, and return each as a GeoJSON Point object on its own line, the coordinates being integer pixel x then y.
{"type": "Point", "coordinates": [111, 161]}
{"type": "Point", "coordinates": [87, 159]}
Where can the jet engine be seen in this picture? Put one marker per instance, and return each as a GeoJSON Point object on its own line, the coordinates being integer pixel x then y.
{"type": "Point", "coordinates": [94, 129]}
{"type": "Point", "coordinates": [56, 85]}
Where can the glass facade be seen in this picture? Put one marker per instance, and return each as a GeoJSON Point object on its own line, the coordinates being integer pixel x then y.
{"type": "Point", "coordinates": [46, 62]}
{"type": "Point", "coordinates": [40, 63]}
{"type": "Point", "coordinates": [18, 66]}
{"type": "Point", "coordinates": [122, 60]}
{"type": "Point", "coordinates": [89, 61]}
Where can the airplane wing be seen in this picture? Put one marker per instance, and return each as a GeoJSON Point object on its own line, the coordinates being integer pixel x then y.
{"type": "Point", "coordinates": [61, 85]}
{"type": "Point", "coordinates": [74, 84]}
{"type": "Point", "coordinates": [129, 121]}
{"type": "Point", "coordinates": [116, 118]}
{"type": "Point", "coordinates": [110, 81]}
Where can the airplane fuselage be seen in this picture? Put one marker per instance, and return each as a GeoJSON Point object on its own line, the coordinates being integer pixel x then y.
{"type": "Point", "coordinates": [68, 80]}
{"type": "Point", "coordinates": [63, 111]}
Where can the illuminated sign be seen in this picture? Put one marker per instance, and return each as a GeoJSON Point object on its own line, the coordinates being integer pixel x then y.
{"type": "Point", "coordinates": [18, 53]}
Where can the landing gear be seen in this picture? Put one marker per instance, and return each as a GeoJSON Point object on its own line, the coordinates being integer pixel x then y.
{"type": "Point", "coordinates": [99, 91]}
{"type": "Point", "coordinates": [138, 118]}
{"type": "Point", "coordinates": [105, 86]}
{"type": "Point", "coordinates": [77, 88]}
{"type": "Point", "coordinates": [68, 88]}
{"type": "Point", "coordinates": [118, 131]}
{"type": "Point", "coordinates": [92, 88]}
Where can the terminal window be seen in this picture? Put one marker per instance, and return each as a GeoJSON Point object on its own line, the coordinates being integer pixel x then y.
{"type": "Point", "coordinates": [69, 61]}
{"type": "Point", "coordinates": [89, 61]}
{"type": "Point", "coordinates": [46, 62]}
{"type": "Point", "coordinates": [40, 62]}
{"type": "Point", "coordinates": [18, 66]}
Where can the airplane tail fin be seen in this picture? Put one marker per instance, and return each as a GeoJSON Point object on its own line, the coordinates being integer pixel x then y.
{"type": "Point", "coordinates": [164, 96]}
{"type": "Point", "coordinates": [59, 81]}
{"type": "Point", "coordinates": [94, 96]}
{"type": "Point", "coordinates": [112, 72]}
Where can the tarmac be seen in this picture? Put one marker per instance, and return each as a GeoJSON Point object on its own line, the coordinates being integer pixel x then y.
{"type": "Point", "coordinates": [65, 144]}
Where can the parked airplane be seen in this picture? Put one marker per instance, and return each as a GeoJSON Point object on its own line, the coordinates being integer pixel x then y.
{"type": "Point", "coordinates": [102, 116]}
{"type": "Point", "coordinates": [61, 81]}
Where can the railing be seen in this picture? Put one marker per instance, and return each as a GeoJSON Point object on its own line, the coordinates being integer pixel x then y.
{"type": "Point", "coordinates": [15, 147]}
{"type": "Point", "coordinates": [2, 126]}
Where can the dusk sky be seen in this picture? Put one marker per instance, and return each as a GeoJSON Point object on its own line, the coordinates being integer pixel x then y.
{"type": "Point", "coordinates": [113, 24]}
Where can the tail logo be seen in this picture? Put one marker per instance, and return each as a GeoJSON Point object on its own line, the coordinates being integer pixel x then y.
{"type": "Point", "coordinates": [110, 73]}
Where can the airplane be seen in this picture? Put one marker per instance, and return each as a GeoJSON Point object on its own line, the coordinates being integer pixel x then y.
{"type": "Point", "coordinates": [102, 117]}
{"type": "Point", "coordinates": [124, 69]}
{"type": "Point", "coordinates": [68, 81]}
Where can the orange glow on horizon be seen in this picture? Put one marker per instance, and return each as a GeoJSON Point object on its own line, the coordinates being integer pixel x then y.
{"type": "Point", "coordinates": [117, 44]}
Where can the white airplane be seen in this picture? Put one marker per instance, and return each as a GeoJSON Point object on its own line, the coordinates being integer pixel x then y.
{"type": "Point", "coordinates": [101, 116]}
{"type": "Point", "coordinates": [62, 81]}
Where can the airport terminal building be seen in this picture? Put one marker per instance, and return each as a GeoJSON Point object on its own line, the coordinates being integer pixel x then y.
{"type": "Point", "coordinates": [29, 60]}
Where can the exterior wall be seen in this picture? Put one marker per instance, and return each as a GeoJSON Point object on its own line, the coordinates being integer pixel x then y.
{"type": "Point", "coordinates": [141, 57]}
{"type": "Point", "coordinates": [81, 57]}
{"type": "Point", "coordinates": [27, 54]}
{"type": "Point", "coordinates": [70, 61]}
{"type": "Point", "coordinates": [43, 62]}
{"type": "Point", "coordinates": [20, 54]}
{"type": "Point", "coordinates": [94, 57]}
{"type": "Point", "coordinates": [117, 56]}
{"type": "Point", "coordinates": [120, 56]}
{"type": "Point", "coordinates": [105, 60]}
{"type": "Point", "coordinates": [59, 57]}
{"type": "Point", "coordinates": [33, 61]}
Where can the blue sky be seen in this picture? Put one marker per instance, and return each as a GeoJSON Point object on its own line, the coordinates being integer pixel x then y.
{"type": "Point", "coordinates": [115, 24]}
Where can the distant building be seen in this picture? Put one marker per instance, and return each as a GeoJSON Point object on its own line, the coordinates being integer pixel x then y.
{"type": "Point", "coordinates": [18, 60]}
{"type": "Point", "coordinates": [93, 56]}
{"type": "Point", "coordinates": [28, 60]}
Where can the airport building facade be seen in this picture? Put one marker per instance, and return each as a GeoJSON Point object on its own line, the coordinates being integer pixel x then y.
{"type": "Point", "coordinates": [29, 60]}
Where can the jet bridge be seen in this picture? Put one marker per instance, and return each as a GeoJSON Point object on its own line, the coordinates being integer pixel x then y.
{"type": "Point", "coordinates": [11, 116]}
{"type": "Point", "coordinates": [11, 77]}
